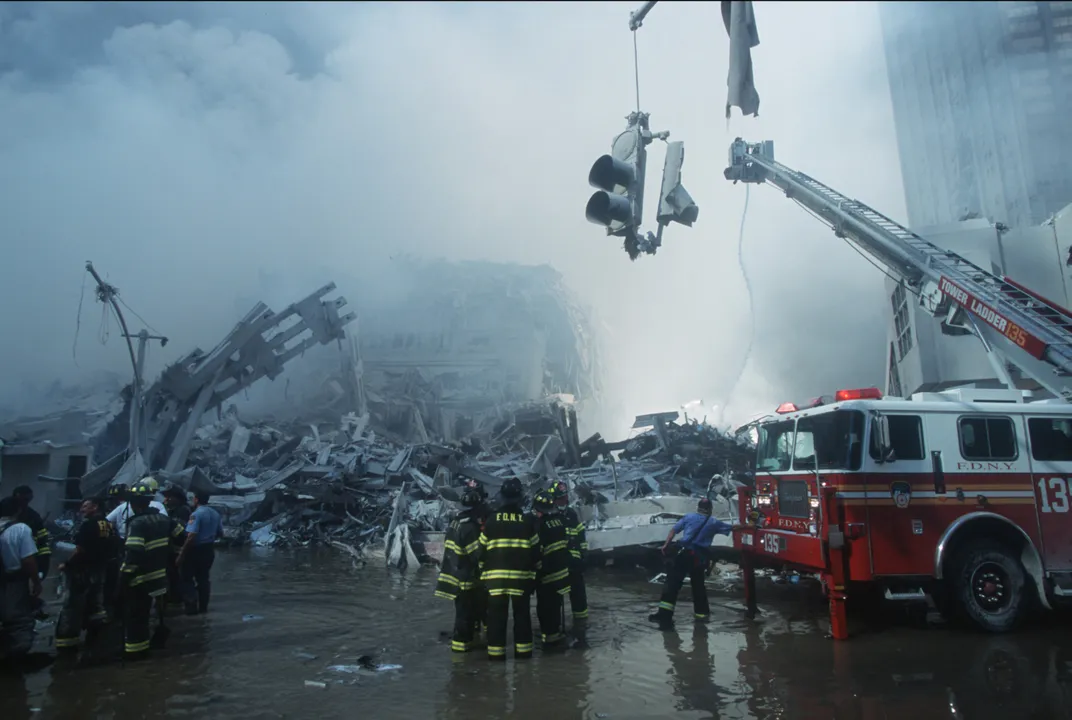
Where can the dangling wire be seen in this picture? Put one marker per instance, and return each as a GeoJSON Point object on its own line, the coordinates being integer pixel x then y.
{"type": "Point", "coordinates": [636, 70]}
{"type": "Point", "coordinates": [751, 309]}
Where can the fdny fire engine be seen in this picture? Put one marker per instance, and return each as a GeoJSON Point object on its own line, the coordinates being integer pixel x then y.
{"type": "Point", "coordinates": [961, 496]}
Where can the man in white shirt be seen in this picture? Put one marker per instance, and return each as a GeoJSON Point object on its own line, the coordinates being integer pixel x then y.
{"type": "Point", "coordinates": [123, 514]}
{"type": "Point", "coordinates": [20, 583]}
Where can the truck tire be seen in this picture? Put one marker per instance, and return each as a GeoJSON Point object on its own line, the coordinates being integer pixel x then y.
{"type": "Point", "coordinates": [989, 586]}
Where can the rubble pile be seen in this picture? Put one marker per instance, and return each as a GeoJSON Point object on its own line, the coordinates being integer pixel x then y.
{"type": "Point", "coordinates": [349, 486]}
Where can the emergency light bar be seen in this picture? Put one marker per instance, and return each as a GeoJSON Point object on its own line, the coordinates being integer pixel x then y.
{"type": "Point", "coordinates": [786, 408]}
{"type": "Point", "coordinates": [858, 394]}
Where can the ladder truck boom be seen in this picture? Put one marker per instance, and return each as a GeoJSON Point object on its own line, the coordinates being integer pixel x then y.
{"type": "Point", "coordinates": [1015, 325]}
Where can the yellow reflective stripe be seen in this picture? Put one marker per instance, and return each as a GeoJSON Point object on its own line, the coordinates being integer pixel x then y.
{"type": "Point", "coordinates": [136, 647]}
{"type": "Point", "coordinates": [472, 547]}
{"type": "Point", "coordinates": [508, 543]}
{"type": "Point", "coordinates": [584, 545]}
{"type": "Point", "coordinates": [448, 579]}
{"type": "Point", "coordinates": [445, 596]}
{"type": "Point", "coordinates": [135, 542]}
{"type": "Point", "coordinates": [177, 530]}
{"type": "Point", "coordinates": [506, 591]}
{"type": "Point", "coordinates": [155, 544]}
{"type": "Point", "coordinates": [458, 646]}
{"type": "Point", "coordinates": [663, 605]}
{"type": "Point", "coordinates": [553, 637]}
{"type": "Point", "coordinates": [556, 576]}
{"type": "Point", "coordinates": [453, 546]}
{"type": "Point", "coordinates": [523, 647]}
{"type": "Point", "coordinates": [483, 539]}
{"type": "Point", "coordinates": [46, 550]}
{"type": "Point", "coordinates": [579, 528]}
{"type": "Point", "coordinates": [534, 541]}
{"type": "Point", "coordinates": [40, 534]}
{"type": "Point", "coordinates": [495, 650]}
{"type": "Point", "coordinates": [508, 575]}
{"type": "Point", "coordinates": [128, 568]}
{"type": "Point", "coordinates": [581, 614]}
{"type": "Point", "coordinates": [148, 577]}
{"type": "Point", "coordinates": [555, 547]}
{"type": "Point", "coordinates": [575, 553]}
{"type": "Point", "coordinates": [67, 642]}
{"type": "Point", "coordinates": [565, 590]}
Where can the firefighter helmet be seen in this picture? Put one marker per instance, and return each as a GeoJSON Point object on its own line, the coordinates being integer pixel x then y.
{"type": "Point", "coordinates": [560, 492]}
{"type": "Point", "coordinates": [117, 490]}
{"type": "Point", "coordinates": [543, 501]}
{"type": "Point", "coordinates": [511, 488]}
{"type": "Point", "coordinates": [472, 497]}
{"type": "Point", "coordinates": [141, 490]}
{"type": "Point", "coordinates": [150, 482]}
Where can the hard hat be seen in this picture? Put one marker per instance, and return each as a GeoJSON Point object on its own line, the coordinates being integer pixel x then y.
{"type": "Point", "coordinates": [511, 488]}
{"type": "Point", "coordinates": [116, 490]}
{"type": "Point", "coordinates": [543, 501]}
{"type": "Point", "coordinates": [151, 483]}
{"type": "Point", "coordinates": [141, 490]}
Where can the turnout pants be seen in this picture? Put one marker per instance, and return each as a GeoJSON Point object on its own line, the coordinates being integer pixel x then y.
{"type": "Point", "coordinates": [549, 610]}
{"type": "Point", "coordinates": [498, 613]}
{"type": "Point", "coordinates": [578, 595]}
{"type": "Point", "coordinates": [686, 564]}
{"type": "Point", "coordinates": [137, 616]}
{"type": "Point", "coordinates": [466, 620]}
{"type": "Point", "coordinates": [196, 587]}
{"type": "Point", "coordinates": [16, 616]}
{"type": "Point", "coordinates": [82, 608]}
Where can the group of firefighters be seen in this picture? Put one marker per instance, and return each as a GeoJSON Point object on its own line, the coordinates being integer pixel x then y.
{"type": "Point", "coordinates": [494, 559]}
{"type": "Point", "coordinates": [132, 555]}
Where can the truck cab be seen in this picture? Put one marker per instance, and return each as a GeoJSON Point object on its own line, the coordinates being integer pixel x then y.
{"type": "Point", "coordinates": [960, 495]}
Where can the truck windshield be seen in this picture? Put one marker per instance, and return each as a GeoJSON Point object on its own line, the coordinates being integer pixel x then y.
{"type": "Point", "coordinates": [775, 446]}
{"type": "Point", "coordinates": [835, 439]}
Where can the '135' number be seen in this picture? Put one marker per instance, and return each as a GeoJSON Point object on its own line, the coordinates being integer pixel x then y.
{"type": "Point", "coordinates": [770, 544]}
{"type": "Point", "coordinates": [1058, 488]}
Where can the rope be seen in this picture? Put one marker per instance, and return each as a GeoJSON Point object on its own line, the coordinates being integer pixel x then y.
{"type": "Point", "coordinates": [636, 70]}
{"type": "Point", "coordinates": [751, 309]}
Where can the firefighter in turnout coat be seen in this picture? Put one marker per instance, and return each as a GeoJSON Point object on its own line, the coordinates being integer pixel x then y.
{"type": "Point", "coordinates": [510, 553]}
{"type": "Point", "coordinates": [143, 576]}
{"type": "Point", "coordinates": [458, 576]}
{"type": "Point", "coordinates": [578, 594]}
{"type": "Point", "coordinates": [553, 577]}
{"type": "Point", "coordinates": [96, 545]}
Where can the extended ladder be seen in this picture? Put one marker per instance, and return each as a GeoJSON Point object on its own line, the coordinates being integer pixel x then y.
{"type": "Point", "coordinates": [1023, 328]}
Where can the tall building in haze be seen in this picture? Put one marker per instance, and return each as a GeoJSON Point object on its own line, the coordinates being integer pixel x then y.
{"type": "Point", "coordinates": [982, 102]}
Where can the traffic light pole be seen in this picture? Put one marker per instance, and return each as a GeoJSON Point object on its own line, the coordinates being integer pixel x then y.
{"type": "Point", "coordinates": [636, 18]}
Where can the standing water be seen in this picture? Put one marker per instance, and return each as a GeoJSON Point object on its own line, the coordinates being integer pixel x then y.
{"type": "Point", "coordinates": [301, 634]}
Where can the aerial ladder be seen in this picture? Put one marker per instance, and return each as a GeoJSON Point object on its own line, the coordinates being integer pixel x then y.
{"type": "Point", "coordinates": [1015, 325]}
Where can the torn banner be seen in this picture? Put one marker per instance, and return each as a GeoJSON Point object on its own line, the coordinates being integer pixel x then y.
{"type": "Point", "coordinates": [740, 21]}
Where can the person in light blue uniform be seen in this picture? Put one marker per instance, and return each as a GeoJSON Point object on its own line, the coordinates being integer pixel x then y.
{"type": "Point", "coordinates": [697, 530]}
{"type": "Point", "coordinates": [198, 553]}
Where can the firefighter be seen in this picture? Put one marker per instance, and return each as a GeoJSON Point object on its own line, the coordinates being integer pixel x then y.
{"type": "Point", "coordinates": [458, 574]}
{"type": "Point", "coordinates": [553, 577]}
{"type": "Point", "coordinates": [143, 576]}
{"type": "Point", "coordinates": [175, 502]}
{"type": "Point", "coordinates": [697, 530]}
{"type": "Point", "coordinates": [510, 552]}
{"type": "Point", "coordinates": [579, 549]}
{"type": "Point", "coordinates": [123, 513]}
{"type": "Point", "coordinates": [24, 496]}
{"type": "Point", "coordinates": [480, 597]}
{"type": "Point", "coordinates": [96, 545]}
{"type": "Point", "coordinates": [116, 496]}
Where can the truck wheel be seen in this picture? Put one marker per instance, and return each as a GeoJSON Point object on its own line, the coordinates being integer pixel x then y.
{"type": "Point", "coordinates": [989, 586]}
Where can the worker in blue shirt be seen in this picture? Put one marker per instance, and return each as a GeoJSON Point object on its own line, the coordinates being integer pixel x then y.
{"type": "Point", "coordinates": [697, 530]}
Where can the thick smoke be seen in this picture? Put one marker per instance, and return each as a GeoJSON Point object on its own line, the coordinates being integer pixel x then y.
{"type": "Point", "coordinates": [197, 152]}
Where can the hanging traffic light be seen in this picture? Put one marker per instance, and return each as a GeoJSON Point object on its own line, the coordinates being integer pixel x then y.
{"type": "Point", "coordinates": [618, 204]}
{"type": "Point", "coordinates": [675, 203]}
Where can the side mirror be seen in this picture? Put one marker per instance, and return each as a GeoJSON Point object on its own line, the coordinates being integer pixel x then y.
{"type": "Point", "coordinates": [880, 436]}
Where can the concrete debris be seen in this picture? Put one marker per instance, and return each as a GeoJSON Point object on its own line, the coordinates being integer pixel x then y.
{"type": "Point", "coordinates": [346, 486]}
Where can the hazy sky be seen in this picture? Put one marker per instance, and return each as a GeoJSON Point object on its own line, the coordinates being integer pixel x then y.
{"type": "Point", "coordinates": [190, 149]}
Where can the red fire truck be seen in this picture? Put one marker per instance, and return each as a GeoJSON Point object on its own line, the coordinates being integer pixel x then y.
{"type": "Point", "coordinates": [960, 495]}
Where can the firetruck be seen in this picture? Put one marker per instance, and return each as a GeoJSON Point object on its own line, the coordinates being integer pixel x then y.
{"type": "Point", "coordinates": [961, 496]}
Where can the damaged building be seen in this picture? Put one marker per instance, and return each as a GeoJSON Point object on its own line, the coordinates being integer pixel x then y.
{"type": "Point", "coordinates": [478, 370]}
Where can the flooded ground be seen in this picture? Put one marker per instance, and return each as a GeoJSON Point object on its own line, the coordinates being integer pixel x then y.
{"type": "Point", "coordinates": [281, 619]}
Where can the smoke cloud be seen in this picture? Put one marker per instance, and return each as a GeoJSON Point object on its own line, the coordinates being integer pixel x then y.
{"type": "Point", "coordinates": [201, 152]}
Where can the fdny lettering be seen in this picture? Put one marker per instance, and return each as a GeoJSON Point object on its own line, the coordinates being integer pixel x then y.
{"type": "Point", "coordinates": [983, 467]}
{"type": "Point", "coordinates": [553, 523]}
{"type": "Point", "coordinates": [509, 517]}
{"type": "Point", "coordinates": [792, 524]}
